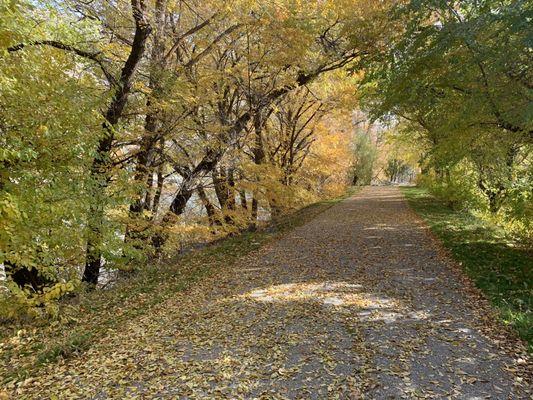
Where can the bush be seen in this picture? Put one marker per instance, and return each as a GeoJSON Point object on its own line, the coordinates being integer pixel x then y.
{"type": "Point", "coordinates": [457, 190]}
{"type": "Point", "coordinates": [516, 215]}
{"type": "Point", "coordinates": [20, 302]}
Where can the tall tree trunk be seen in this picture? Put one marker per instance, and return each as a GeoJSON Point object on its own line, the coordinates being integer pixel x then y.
{"type": "Point", "coordinates": [209, 207]}
{"type": "Point", "coordinates": [151, 124]}
{"type": "Point", "coordinates": [242, 197]}
{"type": "Point", "coordinates": [101, 163]}
{"type": "Point", "coordinates": [99, 175]}
{"type": "Point", "coordinates": [143, 175]}
{"type": "Point", "coordinates": [221, 187]}
{"type": "Point", "coordinates": [224, 183]}
{"type": "Point", "coordinates": [259, 159]}
{"type": "Point", "coordinates": [242, 194]}
{"type": "Point", "coordinates": [231, 189]}
{"type": "Point", "coordinates": [149, 191]}
{"type": "Point", "coordinates": [159, 184]}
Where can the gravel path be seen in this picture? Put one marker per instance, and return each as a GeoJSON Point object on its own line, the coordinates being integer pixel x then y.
{"type": "Point", "coordinates": [355, 304]}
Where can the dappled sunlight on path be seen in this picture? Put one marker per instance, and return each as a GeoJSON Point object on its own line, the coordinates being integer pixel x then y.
{"type": "Point", "coordinates": [355, 304]}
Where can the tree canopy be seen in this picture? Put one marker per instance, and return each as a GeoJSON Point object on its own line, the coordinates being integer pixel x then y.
{"type": "Point", "coordinates": [131, 129]}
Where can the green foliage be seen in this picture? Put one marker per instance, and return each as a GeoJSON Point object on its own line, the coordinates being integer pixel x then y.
{"type": "Point", "coordinates": [397, 170]}
{"type": "Point", "coordinates": [48, 129]}
{"type": "Point", "coordinates": [365, 156]}
{"type": "Point", "coordinates": [457, 78]}
{"type": "Point", "coordinates": [23, 302]}
{"type": "Point", "coordinates": [457, 189]}
{"type": "Point", "coordinates": [459, 67]}
{"type": "Point", "coordinates": [29, 345]}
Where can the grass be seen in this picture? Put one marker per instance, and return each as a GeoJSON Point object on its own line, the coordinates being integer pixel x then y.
{"type": "Point", "coordinates": [27, 346]}
{"type": "Point", "coordinates": [496, 264]}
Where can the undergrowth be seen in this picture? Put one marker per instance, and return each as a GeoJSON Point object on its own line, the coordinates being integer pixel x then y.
{"type": "Point", "coordinates": [28, 345]}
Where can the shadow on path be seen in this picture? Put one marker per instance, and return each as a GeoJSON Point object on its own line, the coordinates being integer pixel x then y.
{"type": "Point", "coordinates": [355, 304]}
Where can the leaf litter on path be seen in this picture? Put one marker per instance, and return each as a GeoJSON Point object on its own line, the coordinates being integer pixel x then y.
{"type": "Point", "coordinates": [358, 303]}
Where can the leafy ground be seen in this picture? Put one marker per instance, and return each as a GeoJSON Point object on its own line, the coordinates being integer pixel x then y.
{"type": "Point", "coordinates": [356, 303]}
{"type": "Point", "coordinates": [26, 346]}
{"type": "Point", "coordinates": [501, 269]}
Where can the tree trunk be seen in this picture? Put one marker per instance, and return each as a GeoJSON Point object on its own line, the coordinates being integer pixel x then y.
{"type": "Point", "coordinates": [99, 175]}
{"type": "Point", "coordinates": [143, 175]}
{"type": "Point", "coordinates": [242, 197]}
{"type": "Point", "coordinates": [494, 203]}
{"type": "Point", "coordinates": [180, 201]}
{"type": "Point", "coordinates": [159, 188]}
{"type": "Point", "coordinates": [209, 207]}
{"type": "Point", "coordinates": [232, 205]}
{"type": "Point", "coordinates": [151, 124]}
{"type": "Point", "coordinates": [224, 184]}
{"type": "Point", "coordinates": [101, 163]}
{"type": "Point", "coordinates": [149, 191]}
{"type": "Point", "coordinates": [191, 180]}
{"type": "Point", "coordinates": [221, 190]}
{"type": "Point", "coordinates": [259, 159]}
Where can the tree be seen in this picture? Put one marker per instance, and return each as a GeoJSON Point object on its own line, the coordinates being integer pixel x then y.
{"type": "Point", "coordinates": [121, 120]}
{"type": "Point", "coordinates": [458, 74]}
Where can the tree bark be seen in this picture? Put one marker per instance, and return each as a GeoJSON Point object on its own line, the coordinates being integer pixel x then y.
{"type": "Point", "coordinates": [224, 183]}
{"type": "Point", "coordinates": [148, 141]}
{"type": "Point", "coordinates": [159, 185]}
{"type": "Point", "coordinates": [221, 187]}
{"type": "Point", "coordinates": [101, 163]}
{"type": "Point", "coordinates": [259, 158]}
{"type": "Point", "coordinates": [209, 207]}
{"type": "Point", "coordinates": [242, 197]}
{"type": "Point", "coordinates": [192, 178]}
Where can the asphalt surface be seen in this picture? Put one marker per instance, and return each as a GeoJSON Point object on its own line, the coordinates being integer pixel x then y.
{"type": "Point", "coordinates": [356, 304]}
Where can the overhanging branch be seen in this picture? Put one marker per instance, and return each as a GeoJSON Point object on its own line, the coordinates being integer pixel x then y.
{"type": "Point", "coordinates": [93, 56]}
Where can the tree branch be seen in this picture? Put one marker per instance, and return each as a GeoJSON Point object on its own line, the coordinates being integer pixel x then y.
{"type": "Point", "coordinates": [94, 56]}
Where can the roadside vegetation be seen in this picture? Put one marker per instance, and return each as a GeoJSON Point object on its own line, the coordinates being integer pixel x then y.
{"type": "Point", "coordinates": [145, 144]}
{"type": "Point", "coordinates": [496, 262]}
{"type": "Point", "coordinates": [32, 343]}
{"type": "Point", "coordinates": [132, 130]}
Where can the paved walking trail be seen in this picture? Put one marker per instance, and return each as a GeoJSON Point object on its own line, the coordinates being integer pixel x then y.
{"type": "Point", "coordinates": [355, 304]}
